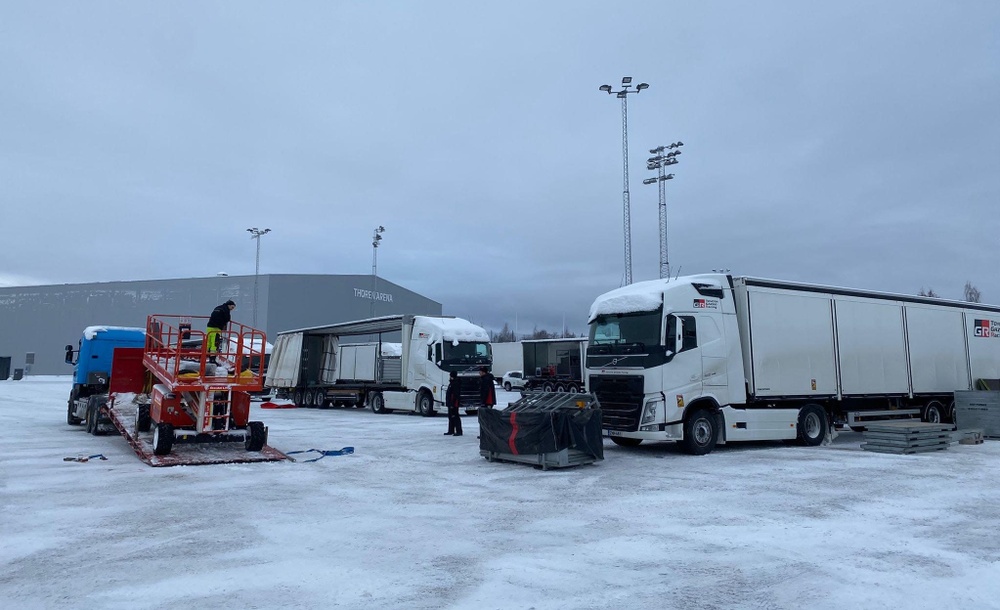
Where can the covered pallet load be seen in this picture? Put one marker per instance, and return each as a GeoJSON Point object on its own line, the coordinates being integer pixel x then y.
{"type": "Point", "coordinates": [546, 429]}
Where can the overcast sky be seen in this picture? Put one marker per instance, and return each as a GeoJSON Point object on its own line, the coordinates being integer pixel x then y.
{"type": "Point", "coordinates": [847, 143]}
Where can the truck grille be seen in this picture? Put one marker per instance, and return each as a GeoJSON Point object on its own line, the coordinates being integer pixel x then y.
{"type": "Point", "coordinates": [620, 399]}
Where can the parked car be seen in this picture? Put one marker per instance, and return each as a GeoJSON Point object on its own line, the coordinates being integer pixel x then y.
{"type": "Point", "coordinates": [513, 380]}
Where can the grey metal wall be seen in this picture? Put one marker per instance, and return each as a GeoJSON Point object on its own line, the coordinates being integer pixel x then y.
{"type": "Point", "coordinates": [44, 319]}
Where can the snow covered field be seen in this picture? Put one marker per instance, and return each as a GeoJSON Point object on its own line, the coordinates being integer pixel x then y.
{"type": "Point", "coordinates": [415, 519]}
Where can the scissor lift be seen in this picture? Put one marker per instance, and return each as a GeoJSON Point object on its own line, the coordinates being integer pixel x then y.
{"type": "Point", "coordinates": [194, 399]}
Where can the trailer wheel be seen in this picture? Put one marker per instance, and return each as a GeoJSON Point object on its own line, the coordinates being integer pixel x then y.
{"type": "Point", "coordinates": [142, 419]}
{"type": "Point", "coordinates": [256, 436]}
{"type": "Point", "coordinates": [700, 433]}
{"type": "Point", "coordinates": [307, 398]}
{"type": "Point", "coordinates": [951, 413]}
{"type": "Point", "coordinates": [560, 387]}
{"type": "Point", "coordinates": [813, 425]}
{"type": "Point", "coordinates": [319, 399]}
{"type": "Point", "coordinates": [622, 441]}
{"type": "Point", "coordinates": [547, 387]}
{"type": "Point", "coordinates": [425, 404]}
{"type": "Point", "coordinates": [572, 389]}
{"type": "Point", "coordinates": [506, 386]}
{"type": "Point", "coordinates": [934, 413]}
{"type": "Point", "coordinates": [377, 403]}
{"type": "Point", "coordinates": [297, 398]}
{"type": "Point", "coordinates": [163, 438]}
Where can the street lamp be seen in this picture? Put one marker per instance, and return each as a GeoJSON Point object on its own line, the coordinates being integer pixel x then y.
{"type": "Point", "coordinates": [255, 233]}
{"type": "Point", "coordinates": [660, 160]}
{"type": "Point", "coordinates": [627, 220]}
{"type": "Point", "coordinates": [376, 239]}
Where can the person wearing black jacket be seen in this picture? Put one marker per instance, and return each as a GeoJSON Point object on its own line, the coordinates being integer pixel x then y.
{"type": "Point", "coordinates": [487, 388]}
{"type": "Point", "coordinates": [453, 399]}
{"type": "Point", "coordinates": [218, 322]}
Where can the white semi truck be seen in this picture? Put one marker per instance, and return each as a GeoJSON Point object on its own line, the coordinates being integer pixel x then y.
{"type": "Point", "coordinates": [710, 359]}
{"type": "Point", "coordinates": [407, 371]}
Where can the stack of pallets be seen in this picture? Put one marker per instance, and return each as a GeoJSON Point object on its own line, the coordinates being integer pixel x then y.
{"type": "Point", "coordinates": [905, 437]}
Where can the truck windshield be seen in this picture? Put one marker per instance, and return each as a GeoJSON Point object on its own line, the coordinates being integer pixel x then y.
{"type": "Point", "coordinates": [639, 329]}
{"type": "Point", "coordinates": [468, 352]}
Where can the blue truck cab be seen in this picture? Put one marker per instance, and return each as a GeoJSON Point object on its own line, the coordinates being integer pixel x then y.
{"type": "Point", "coordinates": [92, 366]}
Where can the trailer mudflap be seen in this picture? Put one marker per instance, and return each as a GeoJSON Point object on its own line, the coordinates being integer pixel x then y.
{"type": "Point", "coordinates": [185, 452]}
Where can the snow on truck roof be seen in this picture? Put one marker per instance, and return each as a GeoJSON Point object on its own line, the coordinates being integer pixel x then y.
{"type": "Point", "coordinates": [453, 330]}
{"type": "Point", "coordinates": [91, 331]}
{"type": "Point", "coordinates": [648, 295]}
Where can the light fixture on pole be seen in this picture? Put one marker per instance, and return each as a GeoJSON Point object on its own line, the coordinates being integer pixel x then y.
{"type": "Point", "coordinates": [256, 233]}
{"type": "Point", "coordinates": [660, 160]}
{"type": "Point", "coordinates": [626, 213]}
{"type": "Point", "coordinates": [376, 239]}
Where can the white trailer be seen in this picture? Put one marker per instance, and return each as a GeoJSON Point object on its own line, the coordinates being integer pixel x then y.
{"type": "Point", "coordinates": [406, 368]}
{"type": "Point", "coordinates": [710, 359]}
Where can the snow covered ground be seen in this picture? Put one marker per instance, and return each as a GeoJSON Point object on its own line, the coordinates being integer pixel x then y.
{"type": "Point", "coordinates": [415, 519]}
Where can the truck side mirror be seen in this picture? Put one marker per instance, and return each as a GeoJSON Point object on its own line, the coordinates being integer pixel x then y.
{"type": "Point", "coordinates": [69, 354]}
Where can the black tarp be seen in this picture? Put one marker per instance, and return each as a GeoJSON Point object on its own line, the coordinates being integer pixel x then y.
{"type": "Point", "coordinates": [534, 425]}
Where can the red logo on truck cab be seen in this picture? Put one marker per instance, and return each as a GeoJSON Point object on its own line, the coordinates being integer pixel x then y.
{"type": "Point", "coordinates": [706, 304]}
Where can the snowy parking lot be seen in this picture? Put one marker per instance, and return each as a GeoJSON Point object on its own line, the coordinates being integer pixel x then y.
{"type": "Point", "coordinates": [416, 519]}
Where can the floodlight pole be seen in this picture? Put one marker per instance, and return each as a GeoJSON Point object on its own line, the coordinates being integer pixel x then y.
{"type": "Point", "coordinates": [660, 160]}
{"type": "Point", "coordinates": [256, 233]}
{"type": "Point", "coordinates": [626, 212]}
{"type": "Point", "coordinates": [376, 239]}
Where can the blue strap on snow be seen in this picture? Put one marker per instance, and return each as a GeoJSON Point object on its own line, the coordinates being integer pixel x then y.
{"type": "Point", "coordinates": [323, 454]}
{"type": "Point", "coordinates": [99, 456]}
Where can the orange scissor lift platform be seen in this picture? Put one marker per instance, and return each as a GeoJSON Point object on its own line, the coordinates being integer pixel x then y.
{"type": "Point", "coordinates": [186, 409]}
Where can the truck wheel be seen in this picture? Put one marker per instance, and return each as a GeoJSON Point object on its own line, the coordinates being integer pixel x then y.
{"type": "Point", "coordinates": [700, 433]}
{"type": "Point", "coordinates": [94, 415]}
{"type": "Point", "coordinates": [547, 387]}
{"type": "Point", "coordinates": [377, 403]}
{"type": "Point", "coordinates": [933, 413]}
{"type": "Point", "coordinates": [256, 435]}
{"type": "Point", "coordinates": [297, 398]}
{"type": "Point", "coordinates": [560, 387]}
{"type": "Point", "coordinates": [622, 441]}
{"type": "Point", "coordinates": [71, 417]}
{"type": "Point", "coordinates": [506, 386]}
{"type": "Point", "coordinates": [813, 425]}
{"type": "Point", "coordinates": [950, 413]}
{"type": "Point", "coordinates": [319, 399]}
{"type": "Point", "coordinates": [163, 439]}
{"type": "Point", "coordinates": [572, 389]}
{"type": "Point", "coordinates": [307, 398]}
{"type": "Point", "coordinates": [142, 419]}
{"type": "Point", "coordinates": [425, 404]}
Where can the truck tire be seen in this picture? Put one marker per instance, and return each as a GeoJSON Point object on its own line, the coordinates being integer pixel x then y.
{"type": "Point", "coordinates": [506, 386]}
{"type": "Point", "coordinates": [425, 404]}
{"type": "Point", "coordinates": [94, 414]}
{"type": "Point", "coordinates": [813, 426]}
{"type": "Point", "coordinates": [142, 419]}
{"type": "Point", "coordinates": [163, 439]}
{"type": "Point", "coordinates": [256, 436]}
{"type": "Point", "coordinates": [573, 388]}
{"type": "Point", "coordinates": [308, 397]}
{"type": "Point", "coordinates": [933, 413]}
{"type": "Point", "coordinates": [622, 441]}
{"type": "Point", "coordinates": [547, 386]}
{"type": "Point", "coordinates": [377, 403]}
{"type": "Point", "coordinates": [319, 399]}
{"type": "Point", "coordinates": [701, 431]}
{"type": "Point", "coordinates": [560, 388]}
{"type": "Point", "coordinates": [71, 417]}
{"type": "Point", "coordinates": [297, 398]}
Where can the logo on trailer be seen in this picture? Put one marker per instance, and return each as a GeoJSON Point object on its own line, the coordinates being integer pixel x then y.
{"type": "Point", "coordinates": [706, 304]}
{"type": "Point", "coordinates": [986, 328]}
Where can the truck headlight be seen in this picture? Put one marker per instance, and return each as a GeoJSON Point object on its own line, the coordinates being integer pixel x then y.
{"type": "Point", "coordinates": [649, 411]}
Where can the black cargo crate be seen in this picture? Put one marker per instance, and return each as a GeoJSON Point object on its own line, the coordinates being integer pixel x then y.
{"type": "Point", "coordinates": [547, 429]}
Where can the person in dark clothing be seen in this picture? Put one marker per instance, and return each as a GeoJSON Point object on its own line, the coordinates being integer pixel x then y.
{"type": "Point", "coordinates": [452, 398]}
{"type": "Point", "coordinates": [487, 388]}
{"type": "Point", "coordinates": [218, 322]}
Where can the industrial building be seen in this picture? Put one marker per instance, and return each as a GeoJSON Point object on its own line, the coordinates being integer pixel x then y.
{"type": "Point", "coordinates": [37, 322]}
